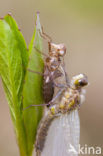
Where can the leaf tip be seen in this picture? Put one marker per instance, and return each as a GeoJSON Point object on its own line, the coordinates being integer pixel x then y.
{"type": "Point", "coordinates": [38, 25]}
{"type": "Point", "coordinates": [9, 14]}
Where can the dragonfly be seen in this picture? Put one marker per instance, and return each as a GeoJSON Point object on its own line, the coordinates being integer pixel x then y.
{"type": "Point", "coordinates": [59, 130]}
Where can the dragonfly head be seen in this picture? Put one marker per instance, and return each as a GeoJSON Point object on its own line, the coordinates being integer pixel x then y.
{"type": "Point", "coordinates": [79, 81]}
{"type": "Point", "coordinates": [58, 49]}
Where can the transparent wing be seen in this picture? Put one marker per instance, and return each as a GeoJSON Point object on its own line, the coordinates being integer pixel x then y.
{"type": "Point", "coordinates": [63, 136]}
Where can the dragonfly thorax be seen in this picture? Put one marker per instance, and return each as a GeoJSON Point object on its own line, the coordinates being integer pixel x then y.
{"type": "Point", "coordinates": [69, 100]}
{"type": "Point", "coordinates": [52, 63]}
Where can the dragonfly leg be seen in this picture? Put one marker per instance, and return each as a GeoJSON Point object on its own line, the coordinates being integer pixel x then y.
{"type": "Point", "coordinates": [46, 55]}
{"type": "Point", "coordinates": [35, 72]}
{"type": "Point", "coordinates": [58, 85]}
{"type": "Point", "coordinates": [50, 103]}
{"type": "Point", "coordinates": [57, 95]}
{"type": "Point", "coordinates": [45, 36]}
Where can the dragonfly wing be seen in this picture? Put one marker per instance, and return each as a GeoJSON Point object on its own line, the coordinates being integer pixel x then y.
{"type": "Point", "coordinates": [63, 136]}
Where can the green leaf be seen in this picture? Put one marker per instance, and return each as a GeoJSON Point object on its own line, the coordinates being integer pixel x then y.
{"type": "Point", "coordinates": [32, 93]}
{"type": "Point", "coordinates": [19, 37]}
{"type": "Point", "coordinates": [13, 56]}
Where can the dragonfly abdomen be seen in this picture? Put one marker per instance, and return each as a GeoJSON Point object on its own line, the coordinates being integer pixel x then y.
{"type": "Point", "coordinates": [42, 132]}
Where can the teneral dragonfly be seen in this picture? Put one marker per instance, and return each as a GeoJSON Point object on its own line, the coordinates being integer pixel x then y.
{"type": "Point", "coordinates": [59, 129]}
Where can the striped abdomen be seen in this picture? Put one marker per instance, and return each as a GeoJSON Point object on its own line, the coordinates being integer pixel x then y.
{"type": "Point", "coordinates": [42, 133]}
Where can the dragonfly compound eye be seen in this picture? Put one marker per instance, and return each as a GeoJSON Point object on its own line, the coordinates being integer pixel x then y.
{"type": "Point", "coordinates": [83, 82]}
{"type": "Point", "coordinates": [62, 50]}
{"type": "Point", "coordinates": [79, 81]}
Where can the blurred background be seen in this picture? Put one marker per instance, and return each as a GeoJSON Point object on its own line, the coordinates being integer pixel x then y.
{"type": "Point", "coordinates": [78, 24]}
